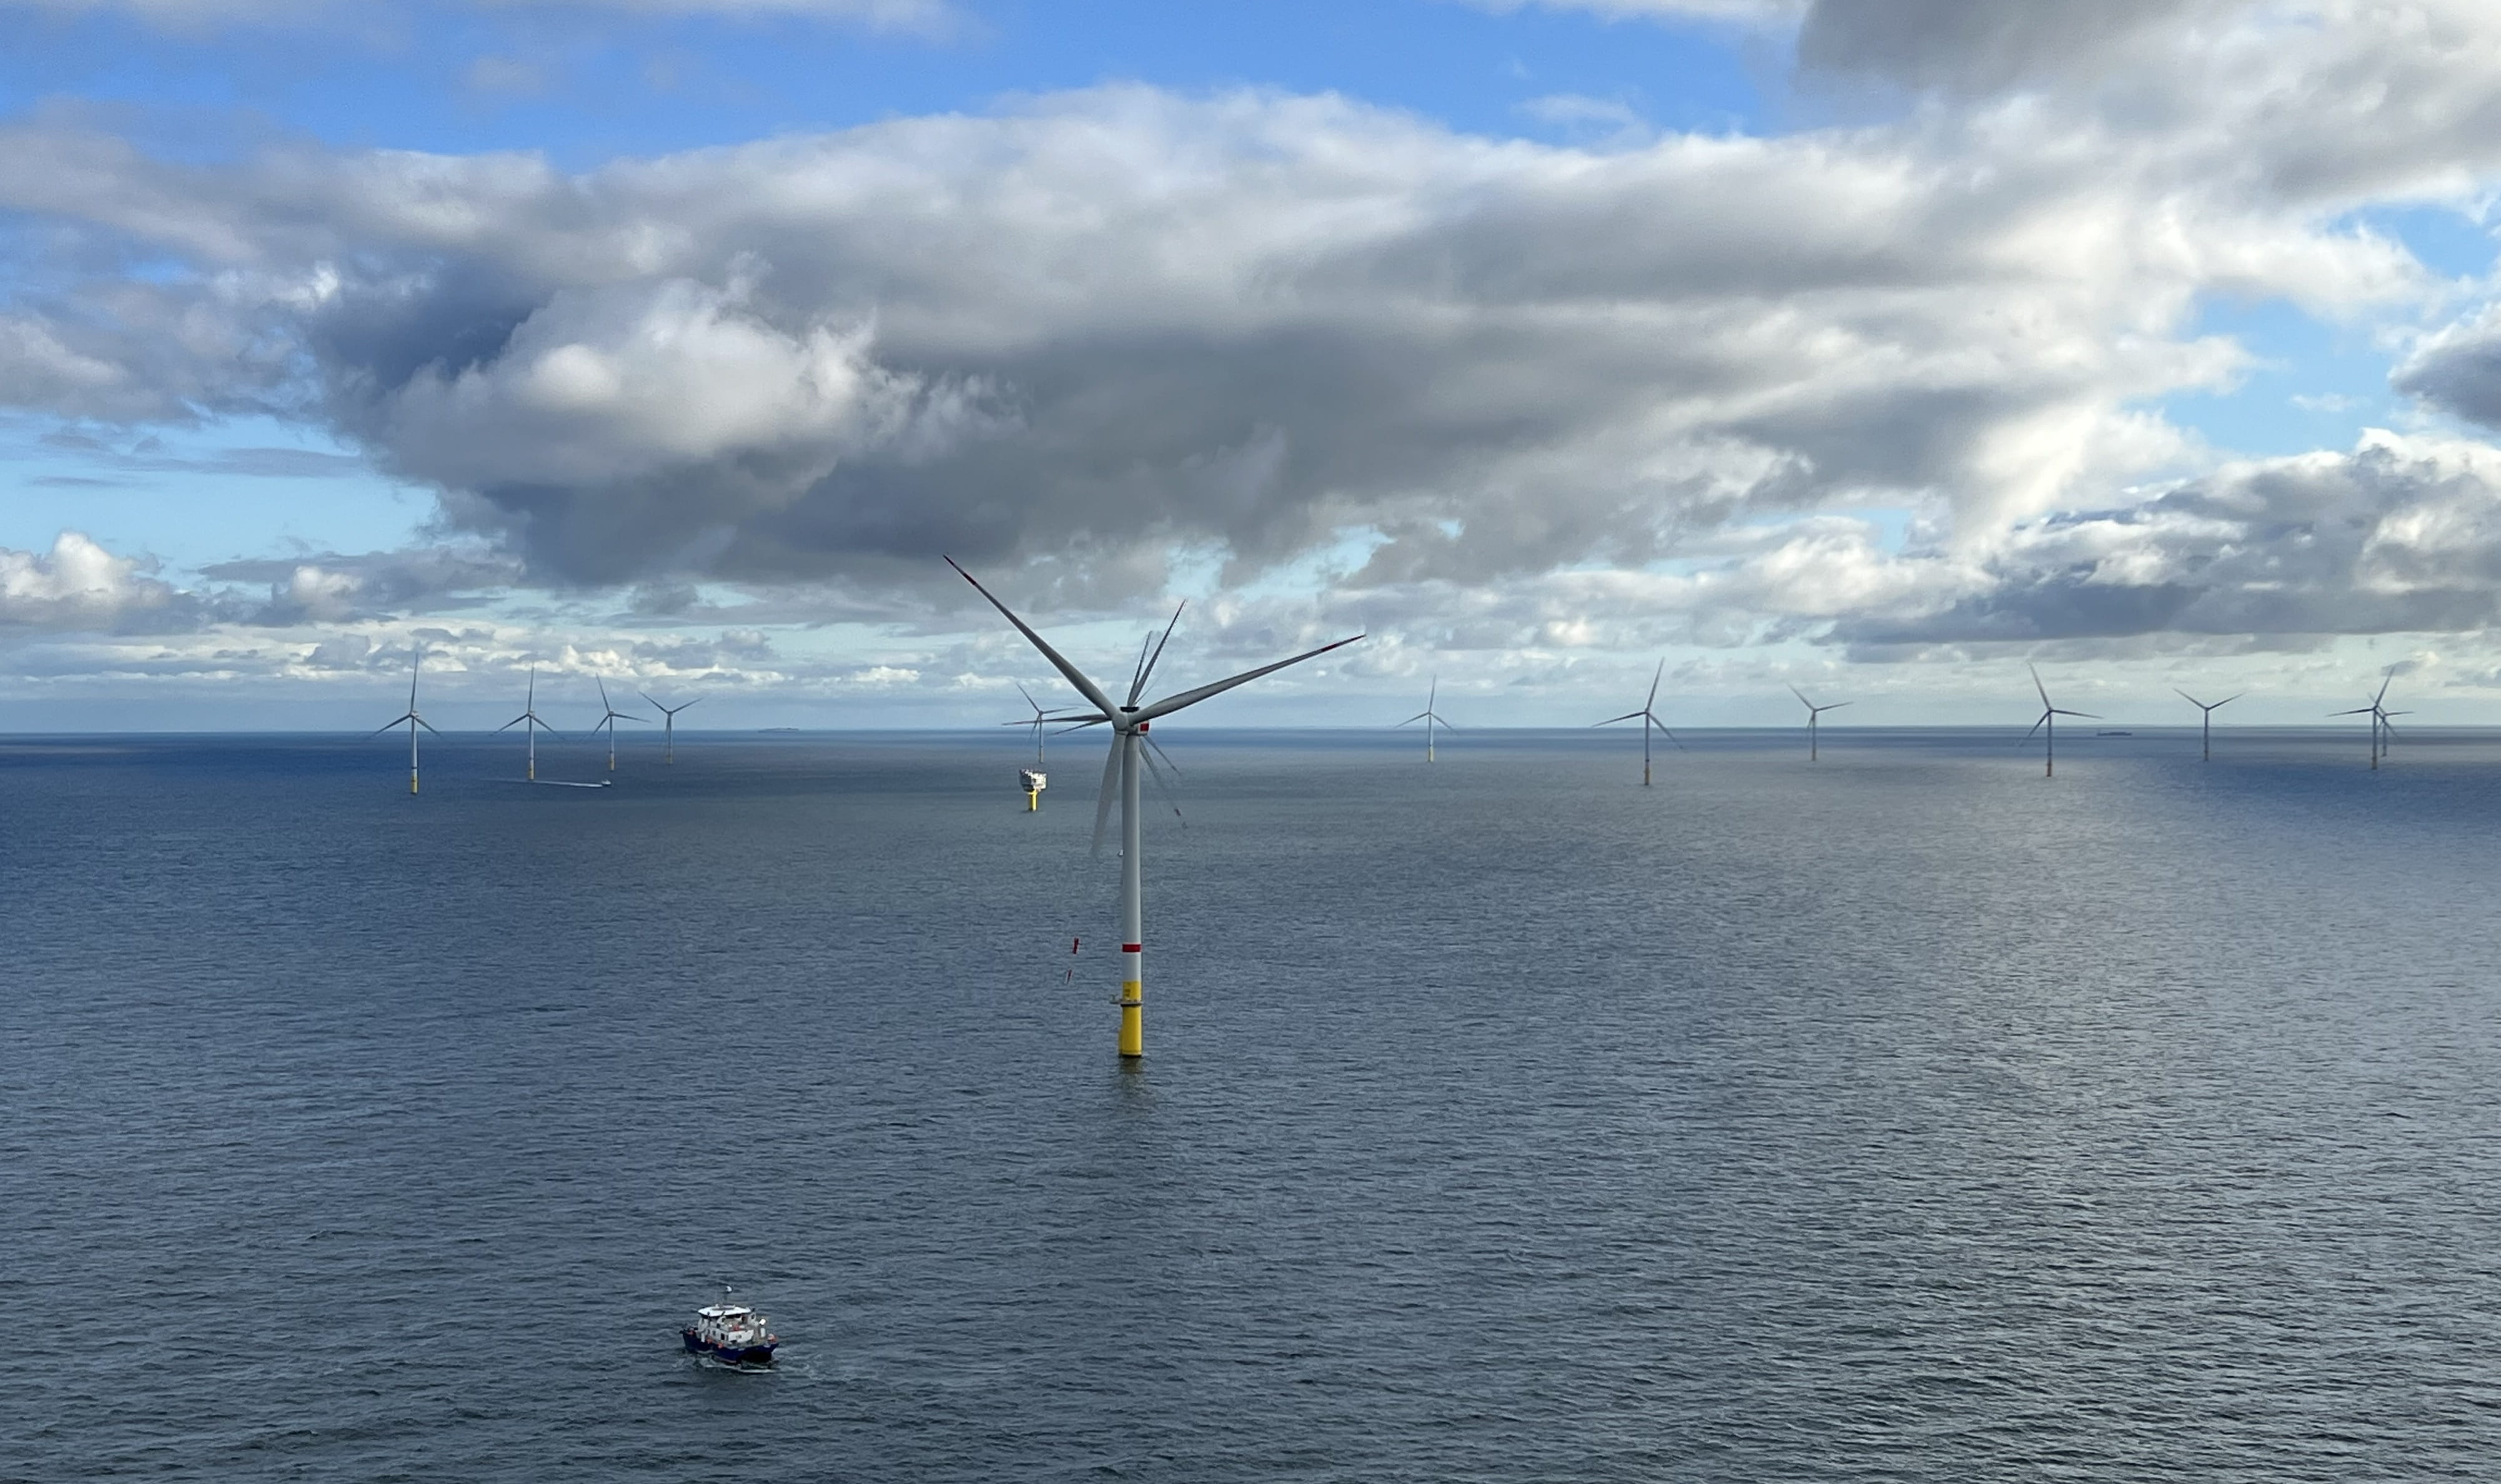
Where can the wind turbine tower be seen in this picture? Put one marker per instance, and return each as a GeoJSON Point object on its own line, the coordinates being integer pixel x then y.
{"type": "Point", "coordinates": [1122, 770]}
{"type": "Point", "coordinates": [1814, 714]}
{"type": "Point", "coordinates": [2205, 723]}
{"type": "Point", "coordinates": [668, 728]}
{"type": "Point", "coordinates": [1430, 717]}
{"type": "Point", "coordinates": [1647, 717]}
{"type": "Point", "coordinates": [2049, 715]}
{"type": "Point", "coordinates": [531, 724]}
{"type": "Point", "coordinates": [412, 720]}
{"type": "Point", "coordinates": [611, 715]}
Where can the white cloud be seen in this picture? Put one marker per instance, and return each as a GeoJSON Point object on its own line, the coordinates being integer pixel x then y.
{"type": "Point", "coordinates": [77, 584]}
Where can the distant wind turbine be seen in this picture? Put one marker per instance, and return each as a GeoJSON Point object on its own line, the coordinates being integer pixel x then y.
{"type": "Point", "coordinates": [1649, 719]}
{"type": "Point", "coordinates": [1034, 779]}
{"type": "Point", "coordinates": [412, 720]}
{"type": "Point", "coordinates": [2205, 723]}
{"type": "Point", "coordinates": [1430, 717]}
{"type": "Point", "coordinates": [669, 727]}
{"type": "Point", "coordinates": [531, 724]}
{"type": "Point", "coordinates": [2049, 715]}
{"type": "Point", "coordinates": [2380, 724]}
{"type": "Point", "coordinates": [609, 719]}
{"type": "Point", "coordinates": [1814, 714]}
{"type": "Point", "coordinates": [1123, 769]}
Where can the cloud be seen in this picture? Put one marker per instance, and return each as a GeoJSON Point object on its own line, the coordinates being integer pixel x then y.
{"type": "Point", "coordinates": [1121, 322]}
{"type": "Point", "coordinates": [334, 588]}
{"type": "Point", "coordinates": [1584, 395]}
{"type": "Point", "coordinates": [78, 585]}
{"type": "Point", "coordinates": [2399, 534]}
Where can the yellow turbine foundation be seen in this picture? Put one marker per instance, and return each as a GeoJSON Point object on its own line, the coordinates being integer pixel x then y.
{"type": "Point", "coordinates": [1133, 1001]}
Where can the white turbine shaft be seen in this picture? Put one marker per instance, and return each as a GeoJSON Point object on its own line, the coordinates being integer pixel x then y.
{"type": "Point", "coordinates": [1133, 900]}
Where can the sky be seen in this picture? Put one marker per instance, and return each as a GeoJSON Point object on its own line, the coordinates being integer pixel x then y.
{"type": "Point", "coordinates": [1872, 347]}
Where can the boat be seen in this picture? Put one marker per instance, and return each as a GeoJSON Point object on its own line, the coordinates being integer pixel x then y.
{"type": "Point", "coordinates": [2114, 734]}
{"type": "Point", "coordinates": [731, 1333]}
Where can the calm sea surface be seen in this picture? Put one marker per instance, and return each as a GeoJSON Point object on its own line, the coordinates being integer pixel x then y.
{"type": "Point", "coordinates": [1904, 1116]}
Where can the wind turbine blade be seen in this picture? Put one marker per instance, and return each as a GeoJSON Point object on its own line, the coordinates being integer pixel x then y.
{"type": "Point", "coordinates": [1412, 720]}
{"type": "Point", "coordinates": [1138, 671]}
{"type": "Point", "coordinates": [1103, 798]}
{"type": "Point", "coordinates": [2037, 685]}
{"type": "Point", "coordinates": [2036, 726]}
{"type": "Point", "coordinates": [1075, 676]}
{"type": "Point", "coordinates": [1171, 704]}
{"type": "Point", "coordinates": [1626, 716]}
{"type": "Point", "coordinates": [515, 721]}
{"type": "Point", "coordinates": [1651, 703]}
{"type": "Point", "coordinates": [603, 695]}
{"type": "Point", "coordinates": [1433, 693]}
{"type": "Point", "coordinates": [1090, 721]}
{"type": "Point", "coordinates": [687, 705]}
{"type": "Point", "coordinates": [2359, 711]}
{"type": "Point", "coordinates": [1148, 672]}
{"type": "Point", "coordinates": [1444, 723]}
{"type": "Point", "coordinates": [395, 725]}
{"type": "Point", "coordinates": [2088, 715]}
{"type": "Point", "coordinates": [1157, 748]}
{"type": "Point", "coordinates": [2192, 700]}
{"type": "Point", "coordinates": [1664, 732]}
{"type": "Point", "coordinates": [1834, 706]}
{"type": "Point", "coordinates": [2385, 682]}
{"type": "Point", "coordinates": [629, 716]}
{"type": "Point", "coordinates": [1802, 700]}
{"type": "Point", "coordinates": [1163, 789]}
{"type": "Point", "coordinates": [1028, 698]}
{"type": "Point", "coordinates": [422, 721]}
{"type": "Point", "coordinates": [2228, 700]}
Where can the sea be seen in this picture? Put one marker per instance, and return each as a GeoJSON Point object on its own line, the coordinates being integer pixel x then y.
{"type": "Point", "coordinates": [1899, 1115]}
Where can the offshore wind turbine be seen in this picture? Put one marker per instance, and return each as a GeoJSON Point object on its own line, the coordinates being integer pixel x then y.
{"type": "Point", "coordinates": [2205, 723]}
{"type": "Point", "coordinates": [2049, 715]}
{"type": "Point", "coordinates": [412, 720]}
{"type": "Point", "coordinates": [610, 719]}
{"type": "Point", "coordinates": [2379, 719]}
{"type": "Point", "coordinates": [1649, 719]}
{"type": "Point", "coordinates": [1123, 769]}
{"type": "Point", "coordinates": [531, 724]}
{"type": "Point", "coordinates": [1430, 717]}
{"type": "Point", "coordinates": [668, 728]}
{"type": "Point", "coordinates": [1814, 714]}
{"type": "Point", "coordinates": [1036, 779]}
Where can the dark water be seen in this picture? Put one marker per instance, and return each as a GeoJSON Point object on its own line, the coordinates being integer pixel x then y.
{"type": "Point", "coordinates": [1902, 1117]}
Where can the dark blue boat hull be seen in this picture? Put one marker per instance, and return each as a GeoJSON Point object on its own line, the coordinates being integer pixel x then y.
{"type": "Point", "coordinates": [728, 1355]}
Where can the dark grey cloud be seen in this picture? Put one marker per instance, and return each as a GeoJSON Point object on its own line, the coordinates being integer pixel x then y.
{"type": "Point", "coordinates": [2400, 536]}
{"type": "Point", "coordinates": [1978, 45]}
